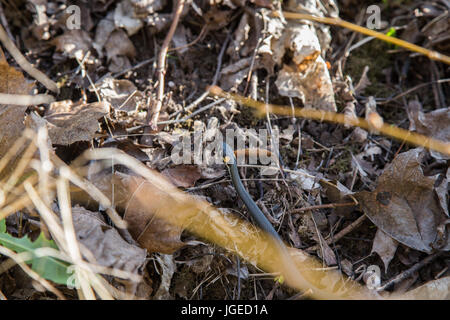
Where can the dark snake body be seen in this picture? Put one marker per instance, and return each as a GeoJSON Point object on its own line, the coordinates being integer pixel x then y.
{"type": "Point", "coordinates": [254, 210]}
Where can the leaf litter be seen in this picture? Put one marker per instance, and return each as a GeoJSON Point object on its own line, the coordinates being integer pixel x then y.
{"type": "Point", "coordinates": [272, 59]}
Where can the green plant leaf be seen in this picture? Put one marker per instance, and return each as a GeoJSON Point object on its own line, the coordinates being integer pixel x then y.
{"type": "Point", "coordinates": [47, 267]}
{"type": "Point", "coordinates": [391, 32]}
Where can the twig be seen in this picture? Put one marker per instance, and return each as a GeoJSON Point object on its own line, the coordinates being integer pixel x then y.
{"type": "Point", "coordinates": [324, 206]}
{"type": "Point", "coordinates": [342, 233]}
{"type": "Point", "coordinates": [162, 64]}
{"type": "Point", "coordinates": [24, 64]}
{"type": "Point", "coordinates": [208, 106]}
{"type": "Point", "coordinates": [412, 90]}
{"type": "Point", "coordinates": [24, 99]}
{"type": "Point", "coordinates": [407, 273]}
{"type": "Point", "coordinates": [434, 55]}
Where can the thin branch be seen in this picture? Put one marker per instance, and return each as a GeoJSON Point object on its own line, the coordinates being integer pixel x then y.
{"type": "Point", "coordinates": [25, 100]}
{"type": "Point", "coordinates": [324, 206]}
{"type": "Point", "coordinates": [341, 233]}
{"type": "Point", "coordinates": [407, 273]}
{"type": "Point", "coordinates": [162, 64]}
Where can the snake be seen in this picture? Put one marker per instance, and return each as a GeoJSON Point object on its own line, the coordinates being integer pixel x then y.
{"type": "Point", "coordinates": [253, 209]}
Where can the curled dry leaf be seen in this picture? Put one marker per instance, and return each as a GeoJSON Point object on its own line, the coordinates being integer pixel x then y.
{"type": "Point", "coordinates": [235, 73]}
{"type": "Point", "coordinates": [385, 247]}
{"type": "Point", "coordinates": [404, 204]}
{"type": "Point", "coordinates": [325, 251]}
{"type": "Point", "coordinates": [442, 193]}
{"type": "Point", "coordinates": [105, 243]}
{"type": "Point", "coordinates": [68, 122]}
{"type": "Point", "coordinates": [305, 75]}
{"type": "Point", "coordinates": [434, 124]}
{"type": "Point", "coordinates": [168, 267]}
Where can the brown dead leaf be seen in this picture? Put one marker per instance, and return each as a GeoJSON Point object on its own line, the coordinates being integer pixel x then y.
{"type": "Point", "coordinates": [326, 252]}
{"type": "Point", "coordinates": [11, 116]}
{"type": "Point", "coordinates": [434, 124]}
{"type": "Point", "coordinates": [385, 247]}
{"type": "Point", "coordinates": [121, 94]}
{"type": "Point", "coordinates": [145, 7]}
{"type": "Point", "coordinates": [12, 80]}
{"type": "Point", "coordinates": [73, 43]}
{"type": "Point", "coordinates": [125, 17]}
{"type": "Point", "coordinates": [151, 231]}
{"type": "Point", "coordinates": [102, 32]}
{"type": "Point", "coordinates": [434, 290]}
{"type": "Point", "coordinates": [404, 204]}
{"type": "Point", "coordinates": [69, 122]}
{"type": "Point", "coordinates": [119, 44]}
{"type": "Point", "coordinates": [105, 243]}
{"type": "Point", "coordinates": [168, 266]}
{"type": "Point", "coordinates": [183, 176]}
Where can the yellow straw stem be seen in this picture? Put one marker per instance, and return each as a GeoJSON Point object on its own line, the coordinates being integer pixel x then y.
{"type": "Point", "coordinates": [342, 23]}
{"type": "Point", "coordinates": [322, 115]}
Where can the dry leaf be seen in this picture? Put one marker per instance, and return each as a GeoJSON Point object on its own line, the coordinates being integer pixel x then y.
{"type": "Point", "coordinates": [121, 94]}
{"type": "Point", "coordinates": [149, 230]}
{"type": "Point", "coordinates": [326, 252]}
{"type": "Point", "coordinates": [145, 7]}
{"type": "Point", "coordinates": [442, 192]}
{"type": "Point", "coordinates": [128, 147]}
{"type": "Point", "coordinates": [73, 43]}
{"type": "Point", "coordinates": [404, 204]}
{"type": "Point", "coordinates": [305, 180]}
{"type": "Point", "coordinates": [119, 44]}
{"type": "Point", "coordinates": [385, 247]}
{"type": "Point", "coordinates": [125, 17]}
{"type": "Point", "coordinates": [168, 266]}
{"type": "Point", "coordinates": [69, 122]}
{"type": "Point", "coordinates": [105, 243]}
{"type": "Point", "coordinates": [12, 80]}
{"type": "Point", "coordinates": [11, 116]}
{"type": "Point", "coordinates": [434, 124]}
{"type": "Point", "coordinates": [102, 32]}
{"type": "Point", "coordinates": [434, 290]}
{"type": "Point", "coordinates": [183, 176]}
{"type": "Point", "coordinates": [306, 75]}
